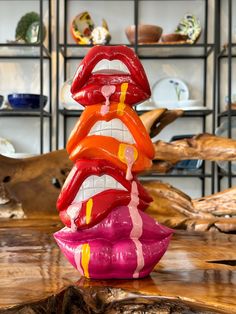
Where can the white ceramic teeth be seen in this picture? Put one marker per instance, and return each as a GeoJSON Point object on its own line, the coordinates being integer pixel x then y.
{"type": "Point", "coordinates": [94, 185]}
{"type": "Point", "coordinates": [108, 65]}
{"type": "Point", "coordinates": [114, 128]}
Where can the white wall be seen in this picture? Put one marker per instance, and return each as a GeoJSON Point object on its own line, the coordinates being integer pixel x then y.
{"type": "Point", "coordinates": [23, 76]}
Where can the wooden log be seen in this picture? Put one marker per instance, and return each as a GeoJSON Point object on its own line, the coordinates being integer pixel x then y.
{"type": "Point", "coordinates": [156, 120]}
{"type": "Point", "coordinates": [34, 183]}
{"type": "Point", "coordinates": [174, 208]}
{"type": "Point", "coordinates": [203, 146]}
{"type": "Point", "coordinates": [196, 275]}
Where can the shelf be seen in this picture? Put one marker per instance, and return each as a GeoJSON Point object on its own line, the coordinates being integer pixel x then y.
{"type": "Point", "coordinates": [224, 51]}
{"type": "Point", "coordinates": [22, 51]}
{"type": "Point", "coordinates": [23, 113]}
{"type": "Point", "coordinates": [187, 113]}
{"type": "Point", "coordinates": [70, 113]}
{"type": "Point", "coordinates": [227, 113]}
{"type": "Point", "coordinates": [174, 174]}
{"type": "Point", "coordinates": [225, 175]}
{"type": "Point", "coordinates": [157, 51]}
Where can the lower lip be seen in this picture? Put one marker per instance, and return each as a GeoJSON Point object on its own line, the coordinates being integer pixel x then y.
{"type": "Point", "coordinates": [90, 94]}
{"type": "Point", "coordinates": [111, 253]}
{"type": "Point", "coordinates": [103, 203]}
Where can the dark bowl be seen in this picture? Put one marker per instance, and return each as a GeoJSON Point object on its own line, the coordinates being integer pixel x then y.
{"type": "Point", "coordinates": [26, 101]}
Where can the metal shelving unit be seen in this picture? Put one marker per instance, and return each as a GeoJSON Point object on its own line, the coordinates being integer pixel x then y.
{"type": "Point", "coordinates": [229, 53]}
{"type": "Point", "coordinates": [40, 53]}
{"type": "Point", "coordinates": [200, 51]}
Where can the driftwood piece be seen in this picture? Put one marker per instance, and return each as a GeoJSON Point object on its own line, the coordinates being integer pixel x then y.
{"type": "Point", "coordinates": [196, 275]}
{"type": "Point", "coordinates": [10, 207]}
{"type": "Point", "coordinates": [203, 146]}
{"type": "Point", "coordinates": [34, 182]}
{"type": "Point", "coordinates": [156, 120]}
{"type": "Point", "coordinates": [175, 209]}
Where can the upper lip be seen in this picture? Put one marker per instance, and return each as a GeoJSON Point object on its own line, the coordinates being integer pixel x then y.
{"type": "Point", "coordinates": [121, 53]}
{"type": "Point", "coordinates": [82, 170]}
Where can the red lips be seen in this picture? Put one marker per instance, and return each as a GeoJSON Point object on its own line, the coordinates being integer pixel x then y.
{"type": "Point", "coordinates": [86, 86]}
{"type": "Point", "coordinates": [103, 202]}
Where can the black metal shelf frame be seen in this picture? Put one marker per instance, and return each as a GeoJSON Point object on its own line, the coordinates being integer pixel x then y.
{"type": "Point", "coordinates": [222, 53]}
{"type": "Point", "coordinates": [23, 113]}
{"type": "Point", "coordinates": [41, 53]}
{"type": "Point", "coordinates": [73, 51]}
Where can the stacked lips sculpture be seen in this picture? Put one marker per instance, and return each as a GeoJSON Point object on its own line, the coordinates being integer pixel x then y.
{"type": "Point", "coordinates": [107, 233]}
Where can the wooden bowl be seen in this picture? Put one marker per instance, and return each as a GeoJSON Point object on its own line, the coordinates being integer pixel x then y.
{"type": "Point", "coordinates": [173, 37]}
{"type": "Point", "coordinates": [146, 33]}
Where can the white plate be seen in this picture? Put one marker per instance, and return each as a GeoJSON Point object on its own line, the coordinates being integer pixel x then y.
{"type": "Point", "coordinates": [67, 101]}
{"type": "Point", "coordinates": [19, 155]}
{"type": "Point", "coordinates": [185, 105]}
{"type": "Point", "coordinates": [6, 147]}
{"type": "Point", "coordinates": [222, 130]}
{"type": "Point", "coordinates": [169, 90]}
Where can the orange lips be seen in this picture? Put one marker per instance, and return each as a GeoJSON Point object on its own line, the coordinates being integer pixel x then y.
{"type": "Point", "coordinates": [131, 157]}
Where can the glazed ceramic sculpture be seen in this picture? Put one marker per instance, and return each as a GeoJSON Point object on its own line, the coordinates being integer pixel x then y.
{"type": "Point", "coordinates": [107, 233]}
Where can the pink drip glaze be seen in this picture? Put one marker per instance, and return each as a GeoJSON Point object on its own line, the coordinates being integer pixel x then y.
{"type": "Point", "coordinates": [129, 156]}
{"type": "Point", "coordinates": [72, 212]}
{"type": "Point", "coordinates": [78, 251]}
{"type": "Point", "coordinates": [107, 91]}
{"type": "Point", "coordinates": [137, 229]}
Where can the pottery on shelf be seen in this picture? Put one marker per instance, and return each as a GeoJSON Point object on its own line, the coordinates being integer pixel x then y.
{"type": "Point", "coordinates": [84, 32]}
{"type": "Point", "coordinates": [173, 38]}
{"type": "Point", "coordinates": [28, 29]}
{"type": "Point", "coordinates": [26, 101]}
{"type": "Point", "coordinates": [191, 27]}
{"type": "Point", "coordinates": [146, 33]}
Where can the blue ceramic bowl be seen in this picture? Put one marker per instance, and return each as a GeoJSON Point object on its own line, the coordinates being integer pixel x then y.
{"type": "Point", "coordinates": [26, 101]}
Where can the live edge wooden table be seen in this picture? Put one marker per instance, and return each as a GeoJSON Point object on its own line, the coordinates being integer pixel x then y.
{"type": "Point", "coordinates": [197, 275]}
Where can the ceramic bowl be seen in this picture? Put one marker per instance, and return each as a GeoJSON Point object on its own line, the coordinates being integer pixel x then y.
{"type": "Point", "coordinates": [173, 37]}
{"type": "Point", "coordinates": [26, 101]}
{"type": "Point", "coordinates": [146, 33]}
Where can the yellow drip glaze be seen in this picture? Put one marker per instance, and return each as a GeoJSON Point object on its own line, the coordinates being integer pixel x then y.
{"type": "Point", "coordinates": [121, 105]}
{"type": "Point", "coordinates": [85, 252]}
{"type": "Point", "coordinates": [122, 150]}
{"type": "Point", "coordinates": [89, 207]}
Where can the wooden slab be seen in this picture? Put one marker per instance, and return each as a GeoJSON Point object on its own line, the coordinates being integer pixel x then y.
{"type": "Point", "coordinates": [197, 275]}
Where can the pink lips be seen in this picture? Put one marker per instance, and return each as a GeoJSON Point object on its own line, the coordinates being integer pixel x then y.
{"type": "Point", "coordinates": [114, 249]}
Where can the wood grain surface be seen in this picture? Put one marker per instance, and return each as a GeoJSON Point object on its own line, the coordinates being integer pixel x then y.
{"type": "Point", "coordinates": [197, 275]}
